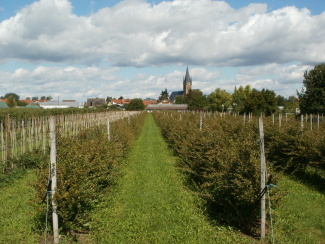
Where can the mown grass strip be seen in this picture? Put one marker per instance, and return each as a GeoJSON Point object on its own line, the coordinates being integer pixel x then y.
{"type": "Point", "coordinates": [299, 217]}
{"type": "Point", "coordinates": [150, 203]}
{"type": "Point", "coordinates": [17, 221]}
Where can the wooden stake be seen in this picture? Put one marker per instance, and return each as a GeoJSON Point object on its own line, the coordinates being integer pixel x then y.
{"type": "Point", "coordinates": [54, 183]}
{"type": "Point", "coordinates": [7, 136]}
{"type": "Point", "coordinates": [263, 171]}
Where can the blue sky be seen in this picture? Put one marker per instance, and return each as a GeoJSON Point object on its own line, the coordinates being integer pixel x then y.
{"type": "Point", "coordinates": [79, 49]}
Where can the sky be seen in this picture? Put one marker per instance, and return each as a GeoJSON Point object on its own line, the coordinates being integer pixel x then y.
{"type": "Point", "coordinates": [81, 49]}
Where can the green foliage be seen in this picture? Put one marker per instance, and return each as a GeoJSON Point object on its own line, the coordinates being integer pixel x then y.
{"type": "Point", "coordinates": [312, 98]}
{"type": "Point", "coordinates": [180, 99]}
{"type": "Point", "coordinates": [164, 95]}
{"type": "Point", "coordinates": [259, 102]}
{"type": "Point", "coordinates": [13, 95]}
{"type": "Point", "coordinates": [292, 149]}
{"type": "Point", "coordinates": [224, 170]}
{"type": "Point", "coordinates": [86, 166]}
{"type": "Point", "coordinates": [196, 99]}
{"type": "Point", "coordinates": [11, 101]}
{"type": "Point", "coordinates": [135, 104]}
{"type": "Point", "coordinates": [238, 98]}
{"type": "Point", "coordinates": [219, 100]}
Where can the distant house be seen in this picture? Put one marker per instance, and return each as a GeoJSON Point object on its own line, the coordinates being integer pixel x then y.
{"type": "Point", "coordinates": [162, 106]}
{"type": "Point", "coordinates": [148, 101]}
{"type": "Point", "coordinates": [95, 102]}
{"type": "Point", "coordinates": [121, 101]}
{"type": "Point", "coordinates": [58, 104]}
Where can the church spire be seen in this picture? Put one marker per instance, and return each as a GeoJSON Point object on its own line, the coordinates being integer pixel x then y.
{"type": "Point", "coordinates": [187, 77]}
{"type": "Point", "coordinates": [187, 83]}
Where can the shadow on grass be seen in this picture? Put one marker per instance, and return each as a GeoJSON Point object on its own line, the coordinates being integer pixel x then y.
{"type": "Point", "coordinates": [313, 178]}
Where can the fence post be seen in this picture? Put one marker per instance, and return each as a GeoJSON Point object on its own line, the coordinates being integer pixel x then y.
{"type": "Point", "coordinates": [263, 171]}
{"type": "Point", "coordinates": [7, 136]}
{"type": "Point", "coordinates": [108, 130]}
{"type": "Point", "coordinates": [53, 175]}
{"type": "Point", "coordinates": [200, 121]}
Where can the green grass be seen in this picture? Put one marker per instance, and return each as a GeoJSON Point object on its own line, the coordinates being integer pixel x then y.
{"type": "Point", "coordinates": [299, 217]}
{"type": "Point", "coordinates": [16, 211]}
{"type": "Point", "coordinates": [150, 203]}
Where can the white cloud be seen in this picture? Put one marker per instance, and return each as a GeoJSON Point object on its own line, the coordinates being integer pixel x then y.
{"type": "Point", "coordinates": [135, 33]}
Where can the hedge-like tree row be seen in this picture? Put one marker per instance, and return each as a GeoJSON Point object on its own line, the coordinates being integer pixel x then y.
{"type": "Point", "coordinates": [222, 158]}
{"type": "Point", "coordinates": [86, 167]}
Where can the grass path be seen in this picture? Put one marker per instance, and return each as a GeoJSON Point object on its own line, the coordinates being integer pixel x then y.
{"type": "Point", "coordinates": [16, 210]}
{"type": "Point", "coordinates": [150, 203]}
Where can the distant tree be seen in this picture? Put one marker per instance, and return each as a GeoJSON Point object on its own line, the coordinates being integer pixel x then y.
{"type": "Point", "coordinates": [21, 104]}
{"type": "Point", "coordinates": [312, 97]}
{"type": "Point", "coordinates": [48, 98]}
{"type": "Point", "coordinates": [219, 100]}
{"type": "Point", "coordinates": [27, 98]}
{"type": "Point", "coordinates": [179, 99]}
{"type": "Point", "coordinates": [239, 96]}
{"type": "Point", "coordinates": [34, 98]}
{"type": "Point", "coordinates": [113, 108]}
{"type": "Point", "coordinates": [43, 98]}
{"type": "Point", "coordinates": [280, 100]}
{"type": "Point", "coordinates": [261, 101]}
{"type": "Point", "coordinates": [164, 95]}
{"type": "Point", "coordinates": [291, 104]}
{"type": "Point", "coordinates": [135, 104]}
{"type": "Point", "coordinates": [196, 99]}
{"type": "Point", "coordinates": [14, 95]}
{"type": "Point", "coordinates": [11, 102]}
{"type": "Point", "coordinates": [121, 97]}
{"type": "Point", "coordinates": [108, 99]}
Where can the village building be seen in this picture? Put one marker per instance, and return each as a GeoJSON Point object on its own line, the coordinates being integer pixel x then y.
{"type": "Point", "coordinates": [169, 104]}
{"type": "Point", "coordinates": [63, 104]}
{"type": "Point", "coordinates": [187, 86]}
{"type": "Point", "coordinates": [95, 102]}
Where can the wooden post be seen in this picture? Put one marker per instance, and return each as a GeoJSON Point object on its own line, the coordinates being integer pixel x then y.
{"type": "Point", "coordinates": [279, 120]}
{"type": "Point", "coordinates": [302, 121]}
{"type": "Point", "coordinates": [7, 136]}
{"type": "Point", "coordinates": [200, 122]}
{"type": "Point", "coordinates": [318, 121]}
{"type": "Point", "coordinates": [108, 130]}
{"type": "Point", "coordinates": [263, 171]}
{"type": "Point", "coordinates": [53, 176]}
{"type": "Point", "coordinates": [311, 122]}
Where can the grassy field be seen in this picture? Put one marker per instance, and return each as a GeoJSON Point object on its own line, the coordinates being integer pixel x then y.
{"type": "Point", "coordinates": [17, 222]}
{"type": "Point", "coordinates": [299, 217]}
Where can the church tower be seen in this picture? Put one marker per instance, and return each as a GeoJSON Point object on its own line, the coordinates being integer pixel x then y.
{"type": "Point", "coordinates": [187, 83]}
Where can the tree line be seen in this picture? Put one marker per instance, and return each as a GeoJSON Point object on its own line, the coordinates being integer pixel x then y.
{"type": "Point", "coordinates": [13, 100]}
{"type": "Point", "coordinates": [311, 99]}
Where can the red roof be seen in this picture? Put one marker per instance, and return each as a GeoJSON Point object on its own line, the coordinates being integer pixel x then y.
{"type": "Point", "coordinates": [28, 101]}
{"type": "Point", "coordinates": [147, 102]}
{"type": "Point", "coordinates": [121, 101]}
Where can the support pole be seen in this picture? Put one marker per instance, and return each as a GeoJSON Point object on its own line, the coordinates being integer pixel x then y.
{"type": "Point", "coordinates": [263, 171]}
{"type": "Point", "coordinates": [7, 125]}
{"type": "Point", "coordinates": [108, 130]}
{"type": "Point", "coordinates": [53, 176]}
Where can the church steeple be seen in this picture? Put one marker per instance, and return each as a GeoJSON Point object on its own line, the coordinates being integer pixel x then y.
{"type": "Point", "coordinates": [187, 83]}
